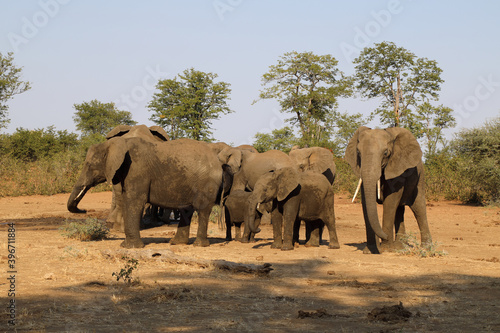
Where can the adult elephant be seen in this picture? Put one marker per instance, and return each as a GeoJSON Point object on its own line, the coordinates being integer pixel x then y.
{"type": "Point", "coordinates": [311, 201]}
{"type": "Point", "coordinates": [152, 134]}
{"type": "Point", "coordinates": [391, 158]}
{"type": "Point", "coordinates": [316, 159]}
{"type": "Point", "coordinates": [178, 174]}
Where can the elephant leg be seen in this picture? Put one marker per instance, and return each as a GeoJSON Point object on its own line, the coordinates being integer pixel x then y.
{"type": "Point", "coordinates": [201, 235]}
{"type": "Point", "coordinates": [296, 231]}
{"type": "Point", "coordinates": [391, 211]}
{"type": "Point", "coordinates": [237, 230]}
{"type": "Point", "coordinates": [228, 224]}
{"type": "Point", "coordinates": [399, 223]}
{"type": "Point", "coordinates": [182, 234]}
{"type": "Point", "coordinates": [115, 217]}
{"type": "Point", "coordinates": [419, 209]}
{"type": "Point", "coordinates": [314, 230]}
{"type": "Point", "coordinates": [290, 212]}
{"type": "Point", "coordinates": [133, 215]}
{"type": "Point", "coordinates": [399, 227]}
{"type": "Point", "coordinates": [277, 221]}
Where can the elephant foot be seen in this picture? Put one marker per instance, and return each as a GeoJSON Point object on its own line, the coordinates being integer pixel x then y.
{"type": "Point", "coordinates": [178, 241]}
{"type": "Point", "coordinates": [371, 249]}
{"type": "Point", "coordinates": [388, 247]}
{"type": "Point", "coordinates": [276, 245]}
{"type": "Point", "coordinates": [132, 244]}
{"type": "Point", "coordinates": [334, 246]}
{"type": "Point", "coordinates": [244, 240]}
{"type": "Point", "coordinates": [287, 247]}
{"type": "Point", "coordinates": [311, 244]}
{"type": "Point", "coordinates": [201, 242]}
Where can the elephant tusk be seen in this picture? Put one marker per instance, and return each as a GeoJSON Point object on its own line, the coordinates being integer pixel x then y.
{"type": "Point", "coordinates": [79, 194]}
{"type": "Point", "coordinates": [357, 189]}
{"type": "Point", "coordinates": [378, 189]}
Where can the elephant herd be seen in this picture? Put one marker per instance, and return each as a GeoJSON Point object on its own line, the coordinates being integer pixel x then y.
{"type": "Point", "coordinates": [144, 166]}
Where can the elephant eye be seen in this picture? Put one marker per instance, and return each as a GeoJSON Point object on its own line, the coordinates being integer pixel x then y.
{"type": "Point", "coordinates": [386, 153]}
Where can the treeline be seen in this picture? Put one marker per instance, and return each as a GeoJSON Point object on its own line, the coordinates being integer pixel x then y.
{"type": "Point", "coordinates": [46, 161]}
{"type": "Point", "coordinates": [41, 161]}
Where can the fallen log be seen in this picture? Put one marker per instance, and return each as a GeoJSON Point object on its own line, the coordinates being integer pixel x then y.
{"type": "Point", "coordinates": [172, 258]}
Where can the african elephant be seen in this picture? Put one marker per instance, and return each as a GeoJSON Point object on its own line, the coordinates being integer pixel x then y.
{"type": "Point", "coordinates": [392, 158]}
{"type": "Point", "coordinates": [235, 208]}
{"type": "Point", "coordinates": [315, 159]}
{"type": "Point", "coordinates": [248, 166]}
{"type": "Point", "coordinates": [178, 174]}
{"type": "Point", "coordinates": [310, 201]}
{"type": "Point", "coordinates": [152, 134]}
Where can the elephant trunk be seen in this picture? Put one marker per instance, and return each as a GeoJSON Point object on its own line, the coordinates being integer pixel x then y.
{"type": "Point", "coordinates": [75, 197]}
{"type": "Point", "coordinates": [370, 202]}
{"type": "Point", "coordinates": [250, 216]}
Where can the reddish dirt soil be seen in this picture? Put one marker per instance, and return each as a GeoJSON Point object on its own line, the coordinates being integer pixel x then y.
{"type": "Point", "coordinates": [67, 285]}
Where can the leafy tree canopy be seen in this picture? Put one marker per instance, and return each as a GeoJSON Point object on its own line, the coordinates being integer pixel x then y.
{"type": "Point", "coordinates": [307, 86]}
{"type": "Point", "coordinates": [99, 118]}
{"type": "Point", "coordinates": [10, 85]}
{"type": "Point", "coordinates": [186, 105]}
{"type": "Point", "coordinates": [401, 79]}
{"type": "Point", "coordinates": [280, 139]}
{"type": "Point", "coordinates": [32, 145]}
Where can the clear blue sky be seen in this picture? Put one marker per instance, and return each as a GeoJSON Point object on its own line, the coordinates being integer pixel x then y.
{"type": "Point", "coordinates": [74, 51]}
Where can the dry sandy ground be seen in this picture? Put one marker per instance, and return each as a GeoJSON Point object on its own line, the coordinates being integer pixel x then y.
{"type": "Point", "coordinates": [67, 285]}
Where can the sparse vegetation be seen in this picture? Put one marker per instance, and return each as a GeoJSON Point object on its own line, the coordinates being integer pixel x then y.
{"type": "Point", "coordinates": [125, 273]}
{"type": "Point", "coordinates": [413, 247]}
{"type": "Point", "coordinates": [91, 229]}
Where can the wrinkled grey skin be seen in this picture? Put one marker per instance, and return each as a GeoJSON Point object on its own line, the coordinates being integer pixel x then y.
{"type": "Point", "coordinates": [311, 201]}
{"type": "Point", "coordinates": [184, 175]}
{"type": "Point", "coordinates": [235, 208]}
{"type": "Point", "coordinates": [248, 166]}
{"type": "Point", "coordinates": [316, 159]}
{"type": "Point", "coordinates": [394, 156]}
{"type": "Point", "coordinates": [151, 134]}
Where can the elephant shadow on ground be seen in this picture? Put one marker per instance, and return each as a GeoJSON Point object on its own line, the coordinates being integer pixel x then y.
{"type": "Point", "coordinates": [359, 246]}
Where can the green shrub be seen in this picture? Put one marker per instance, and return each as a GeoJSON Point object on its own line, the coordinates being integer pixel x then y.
{"type": "Point", "coordinates": [89, 230]}
{"type": "Point", "coordinates": [125, 273]}
{"type": "Point", "coordinates": [345, 179]}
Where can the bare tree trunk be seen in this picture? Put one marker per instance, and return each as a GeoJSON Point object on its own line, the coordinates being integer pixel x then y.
{"type": "Point", "coordinates": [396, 104]}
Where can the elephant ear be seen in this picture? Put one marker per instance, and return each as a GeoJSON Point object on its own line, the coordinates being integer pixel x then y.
{"type": "Point", "coordinates": [351, 152]}
{"type": "Point", "coordinates": [159, 133]}
{"type": "Point", "coordinates": [320, 160]}
{"type": "Point", "coordinates": [118, 131]}
{"type": "Point", "coordinates": [231, 157]}
{"type": "Point", "coordinates": [287, 181]}
{"type": "Point", "coordinates": [117, 153]}
{"type": "Point", "coordinates": [406, 152]}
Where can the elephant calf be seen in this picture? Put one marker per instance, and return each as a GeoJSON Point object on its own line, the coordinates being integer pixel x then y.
{"type": "Point", "coordinates": [235, 207]}
{"type": "Point", "coordinates": [311, 200]}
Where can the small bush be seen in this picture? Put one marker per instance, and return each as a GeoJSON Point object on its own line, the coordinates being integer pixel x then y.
{"type": "Point", "coordinates": [125, 273]}
{"type": "Point", "coordinates": [90, 230]}
{"type": "Point", "coordinates": [414, 248]}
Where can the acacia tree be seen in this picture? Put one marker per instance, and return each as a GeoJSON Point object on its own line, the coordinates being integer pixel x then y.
{"type": "Point", "coordinates": [186, 105]}
{"type": "Point", "coordinates": [99, 118]}
{"type": "Point", "coordinates": [307, 86]}
{"type": "Point", "coordinates": [10, 85]}
{"type": "Point", "coordinates": [401, 79]}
